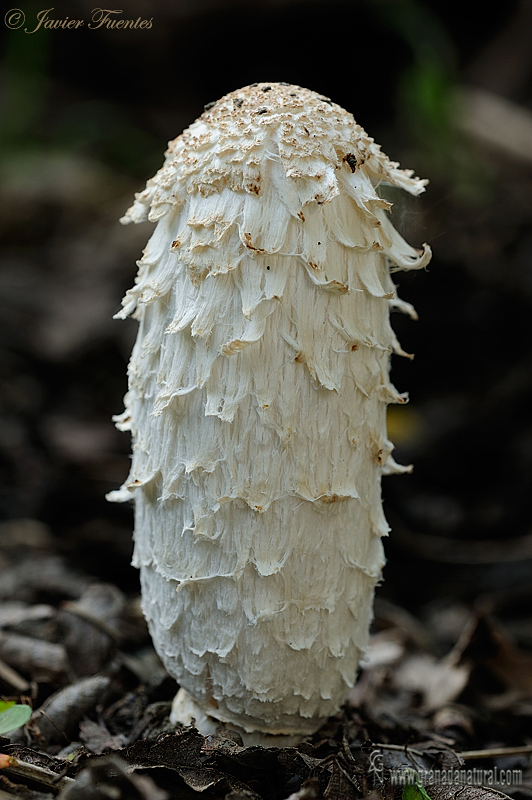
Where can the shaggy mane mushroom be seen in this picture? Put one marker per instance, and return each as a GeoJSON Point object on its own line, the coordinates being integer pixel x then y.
{"type": "Point", "coordinates": [258, 388]}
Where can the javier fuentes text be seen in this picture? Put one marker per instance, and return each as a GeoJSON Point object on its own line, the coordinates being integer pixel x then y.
{"type": "Point", "coordinates": [100, 18]}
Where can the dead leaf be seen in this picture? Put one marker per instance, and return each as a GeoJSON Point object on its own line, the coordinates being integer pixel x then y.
{"type": "Point", "coordinates": [464, 793]}
{"type": "Point", "coordinates": [25, 533]}
{"type": "Point", "coordinates": [97, 739]}
{"type": "Point", "coordinates": [16, 613]}
{"type": "Point", "coordinates": [58, 717]}
{"type": "Point", "coordinates": [40, 660]}
{"type": "Point", "coordinates": [340, 786]}
{"type": "Point", "coordinates": [308, 791]}
{"type": "Point", "coordinates": [485, 642]}
{"type": "Point", "coordinates": [509, 663]}
{"type": "Point", "coordinates": [154, 722]}
{"type": "Point", "coordinates": [38, 576]}
{"type": "Point", "coordinates": [91, 627]}
{"type": "Point", "coordinates": [182, 748]}
{"type": "Point", "coordinates": [438, 682]}
{"type": "Point", "coordinates": [111, 778]}
{"type": "Point", "coordinates": [454, 717]}
{"type": "Point", "coordinates": [385, 647]}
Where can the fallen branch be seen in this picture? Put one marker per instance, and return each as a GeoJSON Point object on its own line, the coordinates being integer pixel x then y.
{"type": "Point", "coordinates": [11, 677]}
{"type": "Point", "coordinates": [496, 752]}
{"type": "Point", "coordinates": [31, 771]}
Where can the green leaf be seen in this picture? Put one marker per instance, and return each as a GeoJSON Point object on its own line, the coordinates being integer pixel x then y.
{"type": "Point", "coordinates": [5, 704]}
{"type": "Point", "coordinates": [413, 790]}
{"type": "Point", "coordinates": [13, 717]}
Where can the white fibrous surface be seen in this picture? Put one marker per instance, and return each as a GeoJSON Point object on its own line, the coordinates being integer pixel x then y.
{"type": "Point", "coordinates": [258, 388]}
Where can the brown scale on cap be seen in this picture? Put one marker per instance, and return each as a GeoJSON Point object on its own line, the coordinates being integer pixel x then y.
{"type": "Point", "coordinates": [232, 141]}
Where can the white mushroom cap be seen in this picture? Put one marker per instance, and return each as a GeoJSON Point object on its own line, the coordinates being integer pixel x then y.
{"type": "Point", "coordinates": [257, 403]}
{"type": "Point", "coordinates": [232, 142]}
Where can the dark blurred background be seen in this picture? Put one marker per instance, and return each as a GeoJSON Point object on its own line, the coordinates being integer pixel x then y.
{"type": "Point", "coordinates": [84, 119]}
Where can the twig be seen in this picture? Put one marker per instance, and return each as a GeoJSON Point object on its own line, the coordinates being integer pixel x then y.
{"type": "Point", "coordinates": [401, 747]}
{"type": "Point", "coordinates": [31, 771]}
{"type": "Point", "coordinates": [495, 752]}
{"type": "Point", "coordinates": [11, 677]}
{"type": "Point", "coordinates": [497, 121]}
{"type": "Point", "coordinates": [454, 551]}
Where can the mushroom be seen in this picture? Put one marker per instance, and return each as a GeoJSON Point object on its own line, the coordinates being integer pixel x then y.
{"type": "Point", "coordinates": [258, 388]}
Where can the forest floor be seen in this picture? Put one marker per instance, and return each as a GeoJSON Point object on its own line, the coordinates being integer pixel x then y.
{"type": "Point", "coordinates": [447, 701]}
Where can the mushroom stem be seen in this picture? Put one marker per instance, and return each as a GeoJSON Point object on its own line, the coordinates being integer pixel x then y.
{"type": "Point", "coordinates": [185, 711]}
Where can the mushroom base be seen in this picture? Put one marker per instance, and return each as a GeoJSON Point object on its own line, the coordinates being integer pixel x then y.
{"type": "Point", "coordinates": [186, 711]}
{"type": "Point", "coordinates": [242, 673]}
